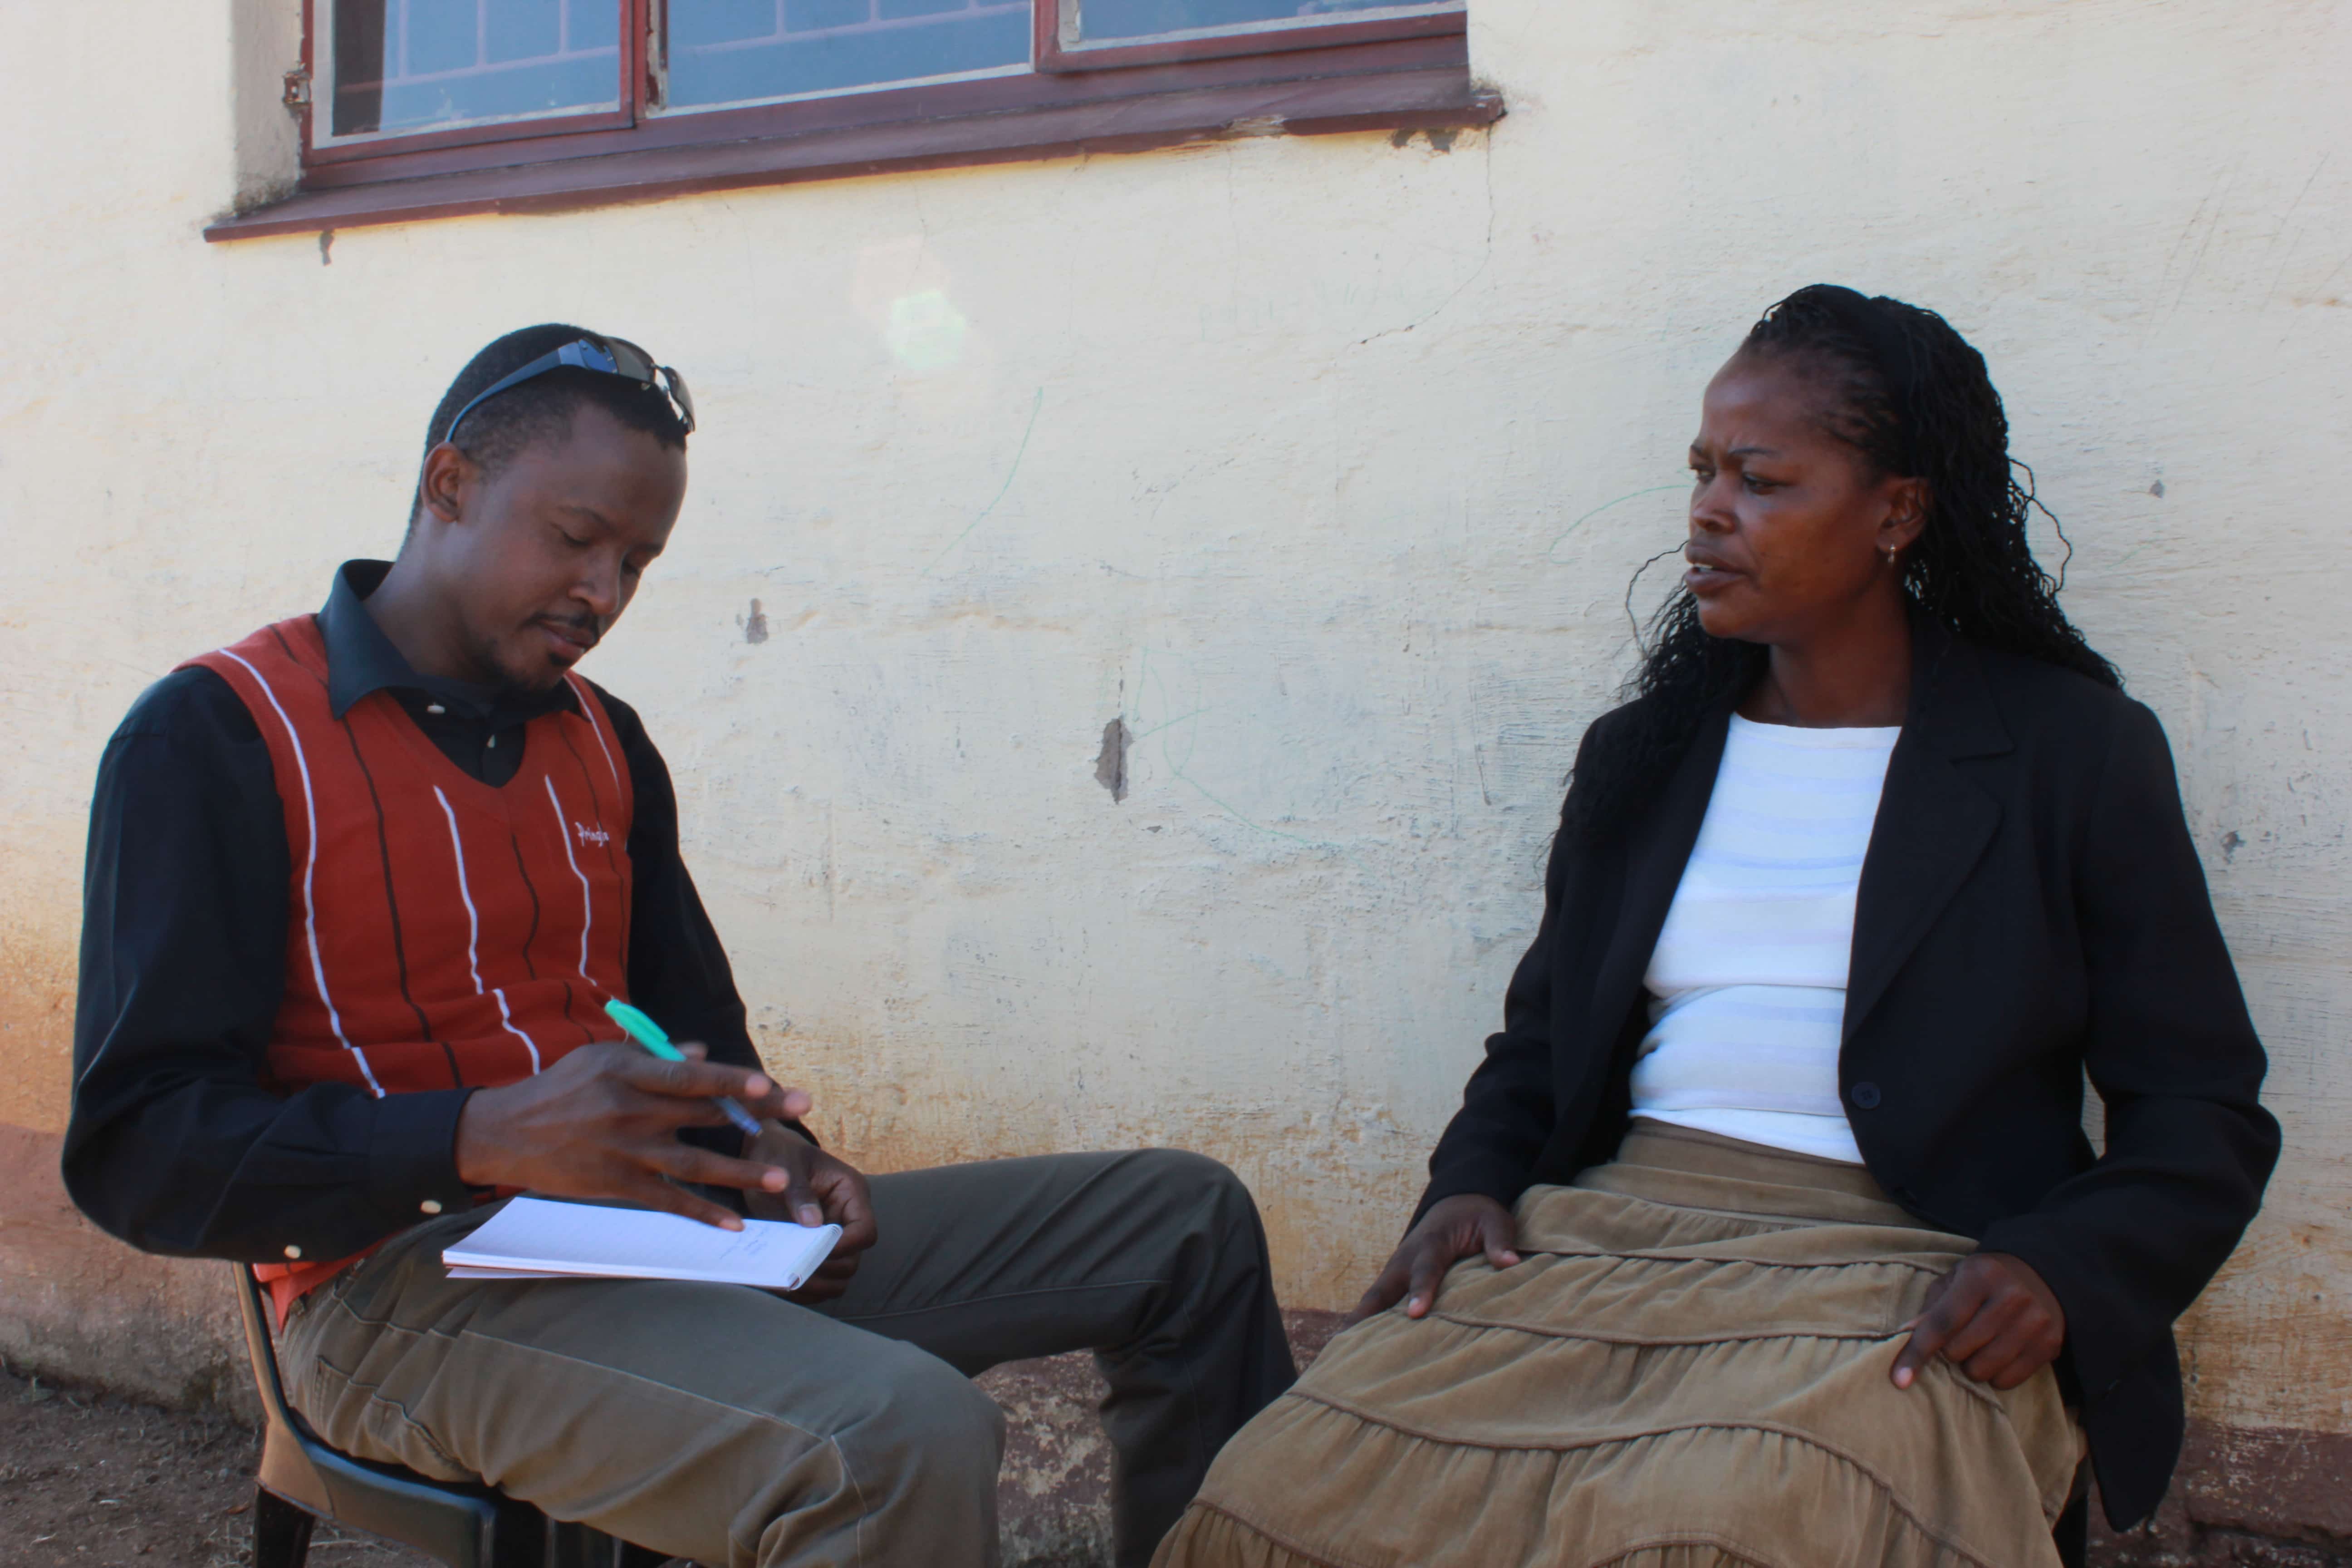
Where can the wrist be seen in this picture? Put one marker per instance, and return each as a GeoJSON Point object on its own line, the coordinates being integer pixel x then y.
{"type": "Point", "coordinates": [479, 1146]}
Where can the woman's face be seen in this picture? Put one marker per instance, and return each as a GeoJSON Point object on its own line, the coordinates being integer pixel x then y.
{"type": "Point", "coordinates": [1789, 527]}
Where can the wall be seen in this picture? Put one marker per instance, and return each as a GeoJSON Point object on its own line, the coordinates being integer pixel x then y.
{"type": "Point", "coordinates": [1321, 465]}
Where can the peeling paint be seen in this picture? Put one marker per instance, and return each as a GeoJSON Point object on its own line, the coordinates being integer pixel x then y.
{"type": "Point", "coordinates": [1111, 763]}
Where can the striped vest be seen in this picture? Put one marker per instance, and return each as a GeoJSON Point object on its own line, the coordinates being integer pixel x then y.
{"type": "Point", "coordinates": [440, 933]}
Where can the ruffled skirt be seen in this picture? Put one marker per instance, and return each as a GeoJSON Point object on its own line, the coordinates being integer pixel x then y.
{"type": "Point", "coordinates": [1689, 1366]}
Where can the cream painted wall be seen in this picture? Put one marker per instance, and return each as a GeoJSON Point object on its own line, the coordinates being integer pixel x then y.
{"type": "Point", "coordinates": [1322, 463]}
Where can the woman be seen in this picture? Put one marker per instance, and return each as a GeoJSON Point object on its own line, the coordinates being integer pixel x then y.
{"type": "Point", "coordinates": [1767, 1231]}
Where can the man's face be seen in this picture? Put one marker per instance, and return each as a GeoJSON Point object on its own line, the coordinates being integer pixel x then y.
{"type": "Point", "coordinates": [537, 561]}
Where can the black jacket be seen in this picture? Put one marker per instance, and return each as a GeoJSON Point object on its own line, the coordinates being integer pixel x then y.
{"type": "Point", "coordinates": [2031, 907]}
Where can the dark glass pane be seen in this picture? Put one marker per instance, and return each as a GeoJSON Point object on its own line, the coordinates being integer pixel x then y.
{"type": "Point", "coordinates": [426, 65]}
{"type": "Point", "coordinates": [1101, 21]}
{"type": "Point", "coordinates": [733, 51]}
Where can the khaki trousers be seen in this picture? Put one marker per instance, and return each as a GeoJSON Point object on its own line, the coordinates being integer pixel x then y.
{"type": "Point", "coordinates": [727, 1426]}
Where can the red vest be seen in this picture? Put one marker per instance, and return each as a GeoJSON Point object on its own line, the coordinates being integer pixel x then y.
{"type": "Point", "coordinates": [440, 933]}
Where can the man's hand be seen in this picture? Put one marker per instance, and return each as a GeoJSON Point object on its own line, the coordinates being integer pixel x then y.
{"type": "Point", "coordinates": [818, 1190]}
{"type": "Point", "coordinates": [602, 1123]}
{"type": "Point", "coordinates": [1451, 1231]}
{"type": "Point", "coordinates": [1993, 1317]}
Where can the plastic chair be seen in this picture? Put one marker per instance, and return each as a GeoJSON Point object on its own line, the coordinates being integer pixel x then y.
{"type": "Point", "coordinates": [303, 1480]}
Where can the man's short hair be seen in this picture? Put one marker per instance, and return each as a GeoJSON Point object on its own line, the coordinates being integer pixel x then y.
{"type": "Point", "coordinates": [540, 409]}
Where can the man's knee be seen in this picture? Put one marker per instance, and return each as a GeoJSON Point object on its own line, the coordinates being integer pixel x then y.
{"type": "Point", "coordinates": [1193, 1182]}
{"type": "Point", "coordinates": [905, 1471]}
{"type": "Point", "coordinates": [926, 1425]}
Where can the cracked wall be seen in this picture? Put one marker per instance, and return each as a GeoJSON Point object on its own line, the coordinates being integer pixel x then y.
{"type": "Point", "coordinates": [1316, 466]}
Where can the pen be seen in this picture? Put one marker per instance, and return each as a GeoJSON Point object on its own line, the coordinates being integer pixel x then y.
{"type": "Point", "coordinates": [650, 1035]}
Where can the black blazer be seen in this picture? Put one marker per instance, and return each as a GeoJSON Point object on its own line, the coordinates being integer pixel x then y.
{"type": "Point", "coordinates": [2030, 906]}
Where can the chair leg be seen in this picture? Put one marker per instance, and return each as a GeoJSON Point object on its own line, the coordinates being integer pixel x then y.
{"type": "Point", "coordinates": [578, 1546]}
{"type": "Point", "coordinates": [281, 1532]}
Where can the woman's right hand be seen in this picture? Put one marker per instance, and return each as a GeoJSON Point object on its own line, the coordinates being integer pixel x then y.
{"type": "Point", "coordinates": [1452, 1230]}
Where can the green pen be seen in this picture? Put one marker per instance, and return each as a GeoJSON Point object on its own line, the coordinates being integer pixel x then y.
{"type": "Point", "coordinates": [651, 1035]}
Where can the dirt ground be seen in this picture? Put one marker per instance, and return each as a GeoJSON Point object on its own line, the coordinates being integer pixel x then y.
{"type": "Point", "coordinates": [90, 1481]}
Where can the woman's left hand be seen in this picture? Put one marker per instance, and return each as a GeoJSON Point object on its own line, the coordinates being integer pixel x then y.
{"type": "Point", "coordinates": [1993, 1317]}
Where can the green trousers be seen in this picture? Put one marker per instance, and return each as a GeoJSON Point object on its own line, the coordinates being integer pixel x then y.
{"type": "Point", "coordinates": [727, 1426]}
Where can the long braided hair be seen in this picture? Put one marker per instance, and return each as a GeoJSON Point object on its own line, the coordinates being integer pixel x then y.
{"type": "Point", "coordinates": [1913, 399]}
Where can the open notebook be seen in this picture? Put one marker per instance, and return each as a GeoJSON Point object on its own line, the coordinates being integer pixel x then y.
{"type": "Point", "coordinates": [535, 1239]}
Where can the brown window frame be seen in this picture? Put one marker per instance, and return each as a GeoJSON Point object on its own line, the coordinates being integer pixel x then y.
{"type": "Point", "coordinates": [1397, 74]}
{"type": "Point", "coordinates": [635, 84]}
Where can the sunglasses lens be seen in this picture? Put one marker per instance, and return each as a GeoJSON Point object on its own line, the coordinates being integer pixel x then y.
{"type": "Point", "coordinates": [622, 357]}
{"type": "Point", "coordinates": [679, 395]}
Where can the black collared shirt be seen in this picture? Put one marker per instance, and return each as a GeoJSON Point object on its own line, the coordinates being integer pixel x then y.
{"type": "Point", "coordinates": [174, 1144]}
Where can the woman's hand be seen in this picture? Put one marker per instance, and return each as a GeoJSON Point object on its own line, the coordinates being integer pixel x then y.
{"type": "Point", "coordinates": [1451, 1231]}
{"type": "Point", "coordinates": [1993, 1317]}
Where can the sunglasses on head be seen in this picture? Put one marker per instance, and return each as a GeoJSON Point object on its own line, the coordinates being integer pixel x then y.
{"type": "Point", "coordinates": [607, 356]}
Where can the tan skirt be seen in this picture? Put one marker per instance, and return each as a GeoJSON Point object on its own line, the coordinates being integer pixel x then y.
{"type": "Point", "coordinates": [1689, 1367]}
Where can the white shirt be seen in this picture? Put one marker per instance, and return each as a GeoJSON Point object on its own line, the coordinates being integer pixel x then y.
{"type": "Point", "coordinates": [1747, 981]}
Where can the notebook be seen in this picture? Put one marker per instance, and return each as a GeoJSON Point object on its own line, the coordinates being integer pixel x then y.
{"type": "Point", "coordinates": [538, 1238]}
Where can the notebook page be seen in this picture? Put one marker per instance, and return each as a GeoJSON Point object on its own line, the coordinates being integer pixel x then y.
{"type": "Point", "coordinates": [537, 1237]}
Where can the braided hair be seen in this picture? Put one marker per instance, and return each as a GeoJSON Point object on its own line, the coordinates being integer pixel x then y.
{"type": "Point", "coordinates": [1909, 394]}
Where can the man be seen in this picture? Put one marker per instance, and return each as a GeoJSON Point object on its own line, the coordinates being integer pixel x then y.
{"type": "Point", "coordinates": [358, 888]}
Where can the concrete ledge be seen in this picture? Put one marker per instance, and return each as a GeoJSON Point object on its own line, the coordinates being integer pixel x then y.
{"type": "Point", "coordinates": [77, 1305]}
{"type": "Point", "coordinates": [2246, 1497]}
{"type": "Point", "coordinates": [1053, 1501]}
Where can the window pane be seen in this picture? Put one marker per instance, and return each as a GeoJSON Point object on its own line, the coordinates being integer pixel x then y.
{"type": "Point", "coordinates": [426, 65]}
{"type": "Point", "coordinates": [735, 51]}
{"type": "Point", "coordinates": [1106, 21]}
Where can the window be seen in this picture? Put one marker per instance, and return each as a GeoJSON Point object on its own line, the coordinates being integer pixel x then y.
{"type": "Point", "coordinates": [405, 65]}
{"type": "Point", "coordinates": [418, 107]}
{"type": "Point", "coordinates": [1091, 35]}
{"type": "Point", "coordinates": [744, 51]}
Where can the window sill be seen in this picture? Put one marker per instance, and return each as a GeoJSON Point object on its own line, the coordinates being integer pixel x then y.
{"type": "Point", "coordinates": [1004, 121]}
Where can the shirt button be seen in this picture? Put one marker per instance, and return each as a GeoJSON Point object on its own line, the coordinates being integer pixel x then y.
{"type": "Point", "coordinates": [434, 707]}
{"type": "Point", "coordinates": [293, 1252]}
{"type": "Point", "coordinates": [1865, 1095]}
{"type": "Point", "coordinates": [431, 1205]}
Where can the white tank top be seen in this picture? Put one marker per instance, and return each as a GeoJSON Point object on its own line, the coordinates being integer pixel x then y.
{"type": "Point", "coordinates": [1747, 981]}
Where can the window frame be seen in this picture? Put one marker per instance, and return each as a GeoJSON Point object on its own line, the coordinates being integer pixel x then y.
{"type": "Point", "coordinates": [635, 33]}
{"type": "Point", "coordinates": [1349, 75]}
